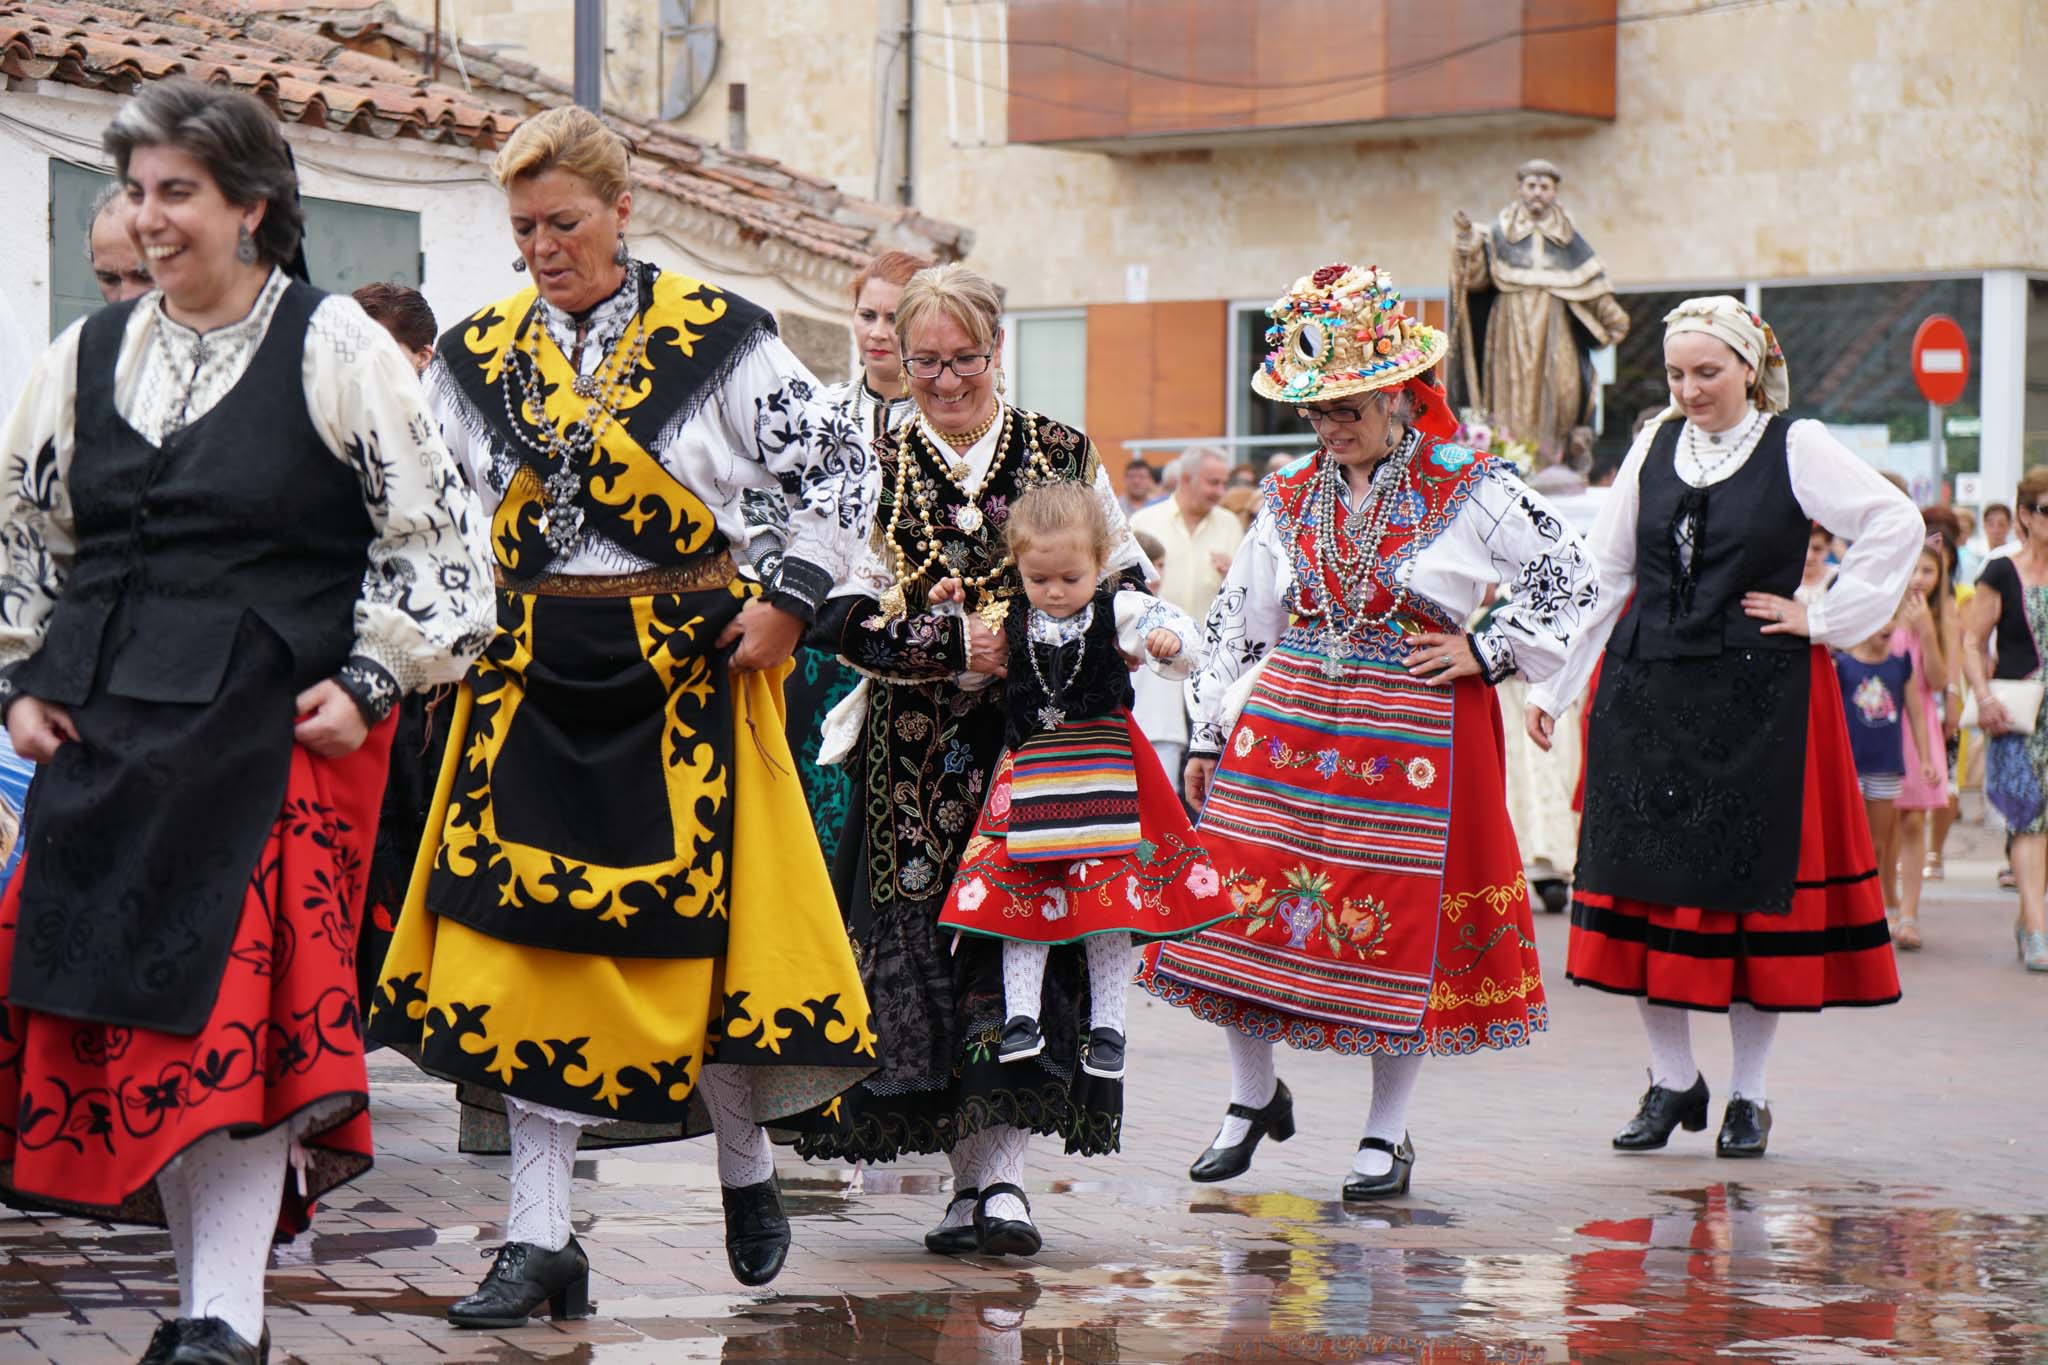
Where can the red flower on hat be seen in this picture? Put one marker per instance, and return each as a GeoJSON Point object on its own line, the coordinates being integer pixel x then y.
{"type": "Point", "coordinates": [1328, 275]}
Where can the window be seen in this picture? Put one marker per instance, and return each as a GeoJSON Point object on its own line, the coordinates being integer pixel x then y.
{"type": "Point", "coordinates": [347, 245]}
{"type": "Point", "coordinates": [1048, 363]}
{"type": "Point", "coordinates": [2034, 424]}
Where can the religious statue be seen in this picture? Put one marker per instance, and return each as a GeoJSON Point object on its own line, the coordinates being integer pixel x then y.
{"type": "Point", "coordinates": [1530, 303]}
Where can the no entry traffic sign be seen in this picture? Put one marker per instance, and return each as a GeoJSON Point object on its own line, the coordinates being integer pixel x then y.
{"type": "Point", "coordinates": [1941, 360]}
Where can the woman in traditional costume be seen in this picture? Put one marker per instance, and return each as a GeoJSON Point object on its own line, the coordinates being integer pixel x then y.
{"type": "Point", "coordinates": [877, 401]}
{"type": "Point", "coordinates": [232, 541]}
{"type": "Point", "coordinates": [1725, 863]}
{"type": "Point", "coordinates": [929, 730]}
{"type": "Point", "coordinates": [1347, 742]}
{"type": "Point", "coordinates": [607, 924]}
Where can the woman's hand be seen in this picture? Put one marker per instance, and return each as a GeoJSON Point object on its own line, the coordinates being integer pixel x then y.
{"type": "Point", "coordinates": [330, 723]}
{"type": "Point", "coordinates": [1162, 643]}
{"type": "Point", "coordinates": [1540, 725]}
{"type": "Point", "coordinates": [767, 636]}
{"type": "Point", "coordinates": [1442, 658]}
{"type": "Point", "coordinates": [36, 728]}
{"type": "Point", "coordinates": [1200, 772]}
{"type": "Point", "coordinates": [988, 651]}
{"type": "Point", "coordinates": [1786, 615]}
{"type": "Point", "coordinates": [1992, 717]}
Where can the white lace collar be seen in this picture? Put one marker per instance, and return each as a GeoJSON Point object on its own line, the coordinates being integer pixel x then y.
{"type": "Point", "coordinates": [602, 324]}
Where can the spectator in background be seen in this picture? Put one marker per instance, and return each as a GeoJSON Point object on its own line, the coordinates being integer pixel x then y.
{"type": "Point", "coordinates": [1159, 708]}
{"type": "Point", "coordinates": [401, 311]}
{"type": "Point", "coordinates": [1242, 502]}
{"type": "Point", "coordinates": [115, 259]}
{"type": "Point", "coordinates": [1241, 476]}
{"type": "Point", "coordinates": [1141, 485]}
{"type": "Point", "coordinates": [1999, 537]}
{"type": "Point", "coordinates": [1199, 536]}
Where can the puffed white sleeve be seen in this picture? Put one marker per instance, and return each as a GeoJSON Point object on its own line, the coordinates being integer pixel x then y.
{"type": "Point", "coordinates": [1245, 621]}
{"type": "Point", "coordinates": [1883, 527]}
{"type": "Point", "coordinates": [426, 609]}
{"type": "Point", "coordinates": [1612, 544]}
{"type": "Point", "coordinates": [37, 540]}
{"type": "Point", "coordinates": [1553, 582]}
{"type": "Point", "coordinates": [1138, 614]}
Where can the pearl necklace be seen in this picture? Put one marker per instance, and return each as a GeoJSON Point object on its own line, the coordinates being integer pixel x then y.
{"type": "Point", "coordinates": [1352, 566]}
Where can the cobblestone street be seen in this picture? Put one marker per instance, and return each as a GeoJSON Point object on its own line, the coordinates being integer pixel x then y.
{"type": "Point", "coordinates": [1901, 1215]}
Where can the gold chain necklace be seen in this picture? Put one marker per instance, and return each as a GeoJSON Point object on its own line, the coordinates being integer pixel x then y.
{"type": "Point", "coordinates": [964, 440]}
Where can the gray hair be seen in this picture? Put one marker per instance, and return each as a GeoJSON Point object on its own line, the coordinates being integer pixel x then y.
{"type": "Point", "coordinates": [107, 195]}
{"type": "Point", "coordinates": [1536, 165]}
{"type": "Point", "coordinates": [1194, 457]}
{"type": "Point", "coordinates": [233, 136]}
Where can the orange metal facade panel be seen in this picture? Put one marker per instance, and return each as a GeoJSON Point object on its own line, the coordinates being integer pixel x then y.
{"type": "Point", "coordinates": [1155, 370]}
{"type": "Point", "coordinates": [1320, 61]}
{"type": "Point", "coordinates": [1570, 68]}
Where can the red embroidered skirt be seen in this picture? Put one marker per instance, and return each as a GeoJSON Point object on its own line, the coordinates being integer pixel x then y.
{"type": "Point", "coordinates": [90, 1113]}
{"type": "Point", "coordinates": [1361, 825]}
{"type": "Point", "coordinates": [1832, 949]}
{"type": "Point", "coordinates": [1166, 888]}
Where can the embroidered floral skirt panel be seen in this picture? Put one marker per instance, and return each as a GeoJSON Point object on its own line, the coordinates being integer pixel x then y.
{"type": "Point", "coordinates": [1360, 827]}
{"type": "Point", "coordinates": [1831, 948]}
{"type": "Point", "coordinates": [927, 751]}
{"type": "Point", "coordinates": [609, 898]}
{"type": "Point", "coordinates": [90, 1113]}
{"type": "Point", "coordinates": [1166, 888]}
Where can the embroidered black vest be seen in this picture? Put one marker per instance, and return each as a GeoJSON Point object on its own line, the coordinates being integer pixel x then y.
{"type": "Point", "coordinates": [1101, 686]}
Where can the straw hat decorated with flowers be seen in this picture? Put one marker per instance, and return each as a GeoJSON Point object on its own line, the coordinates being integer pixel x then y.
{"type": "Point", "coordinates": [1343, 331]}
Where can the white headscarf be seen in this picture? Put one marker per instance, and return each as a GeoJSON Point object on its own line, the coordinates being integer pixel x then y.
{"type": "Point", "coordinates": [1749, 336]}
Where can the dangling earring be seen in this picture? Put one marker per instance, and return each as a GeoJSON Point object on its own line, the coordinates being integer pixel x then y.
{"type": "Point", "coordinates": [519, 265]}
{"type": "Point", "coordinates": [1392, 439]}
{"type": "Point", "coordinates": [245, 246]}
{"type": "Point", "coordinates": [622, 256]}
{"type": "Point", "coordinates": [1002, 385]}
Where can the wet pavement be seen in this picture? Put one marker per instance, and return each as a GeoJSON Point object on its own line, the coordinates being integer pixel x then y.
{"type": "Point", "coordinates": [1902, 1215]}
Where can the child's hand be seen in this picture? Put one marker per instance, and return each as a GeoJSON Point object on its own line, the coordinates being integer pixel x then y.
{"type": "Point", "coordinates": [1928, 777]}
{"type": "Point", "coordinates": [947, 590]}
{"type": "Point", "coordinates": [1162, 643]}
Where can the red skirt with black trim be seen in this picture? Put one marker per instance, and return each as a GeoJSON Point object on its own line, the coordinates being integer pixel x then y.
{"type": "Point", "coordinates": [90, 1113]}
{"type": "Point", "coordinates": [1833, 948]}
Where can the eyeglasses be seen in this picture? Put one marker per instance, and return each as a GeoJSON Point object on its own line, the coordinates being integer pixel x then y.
{"type": "Point", "coordinates": [966, 366]}
{"type": "Point", "coordinates": [2039, 509]}
{"type": "Point", "coordinates": [1317, 416]}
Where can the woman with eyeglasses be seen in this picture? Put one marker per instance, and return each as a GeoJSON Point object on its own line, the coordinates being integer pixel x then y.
{"type": "Point", "coordinates": [1725, 861]}
{"type": "Point", "coordinates": [924, 736]}
{"type": "Point", "coordinates": [2011, 602]}
{"type": "Point", "coordinates": [1346, 739]}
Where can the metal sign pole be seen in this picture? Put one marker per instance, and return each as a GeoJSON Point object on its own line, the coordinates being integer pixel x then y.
{"type": "Point", "coordinates": [589, 63]}
{"type": "Point", "coordinates": [1937, 448]}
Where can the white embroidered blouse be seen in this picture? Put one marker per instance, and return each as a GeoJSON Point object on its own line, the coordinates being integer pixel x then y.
{"type": "Point", "coordinates": [1503, 533]}
{"type": "Point", "coordinates": [361, 394]}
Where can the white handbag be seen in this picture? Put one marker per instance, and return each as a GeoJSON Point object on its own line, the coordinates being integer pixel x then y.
{"type": "Point", "coordinates": [2021, 698]}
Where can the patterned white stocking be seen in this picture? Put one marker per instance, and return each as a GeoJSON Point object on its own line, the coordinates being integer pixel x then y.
{"type": "Point", "coordinates": [1023, 978]}
{"type": "Point", "coordinates": [1003, 1163]}
{"type": "Point", "coordinates": [543, 1159]}
{"type": "Point", "coordinates": [1251, 1082]}
{"type": "Point", "coordinates": [177, 1199]}
{"type": "Point", "coordinates": [969, 1159]}
{"type": "Point", "coordinates": [1109, 972]}
{"type": "Point", "coordinates": [1393, 1085]}
{"type": "Point", "coordinates": [744, 1156]}
{"type": "Point", "coordinates": [234, 1186]}
{"type": "Point", "coordinates": [1670, 1034]}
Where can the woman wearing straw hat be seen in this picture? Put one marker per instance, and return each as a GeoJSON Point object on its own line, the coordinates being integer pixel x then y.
{"type": "Point", "coordinates": [1346, 738]}
{"type": "Point", "coordinates": [1724, 861]}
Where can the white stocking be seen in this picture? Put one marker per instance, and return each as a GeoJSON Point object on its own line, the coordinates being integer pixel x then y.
{"type": "Point", "coordinates": [1109, 972]}
{"type": "Point", "coordinates": [1751, 1030]}
{"type": "Point", "coordinates": [543, 1158]}
{"type": "Point", "coordinates": [1670, 1034]}
{"type": "Point", "coordinates": [1003, 1163]}
{"type": "Point", "coordinates": [1251, 1081]}
{"type": "Point", "coordinates": [1023, 978]}
{"type": "Point", "coordinates": [177, 1199]}
{"type": "Point", "coordinates": [970, 1159]}
{"type": "Point", "coordinates": [1393, 1085]}
{"type": "Point", "coordinates": [234, 1185]}
{"type": "Point", "coordinates": [744, 1156]}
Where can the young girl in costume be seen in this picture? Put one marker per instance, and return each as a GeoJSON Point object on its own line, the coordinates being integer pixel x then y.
{"type": "Point", "coordinates": [1878, 690]}
{"type": "Point", "coordinates": [1082, 838]}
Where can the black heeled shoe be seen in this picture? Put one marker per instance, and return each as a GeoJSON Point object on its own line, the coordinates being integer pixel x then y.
{"type": "Point", "coordinates": [959, 1241]}
{"type": "Point", "coordinates": [1005, 1236]}
{"type": "Point", "coordinates": [206, 1341]}
{"type": "Point", "coordinates": [1661, 1111]}
{"type": "Point", "coordinates": [756, 1232]}
{"type": "Point", "coordinates": [1359, 1188]}
{"type": "Point", "coordinates": [520, 1280]}
{"type": "Point", "coordinates": [1275, 1119]}
{"type": "Point", "coordinates": [1745, 1129]}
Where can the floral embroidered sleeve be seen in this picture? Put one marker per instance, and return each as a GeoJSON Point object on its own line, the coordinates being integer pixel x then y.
{"type": "Point", "coordinates": [1138, 614]}
{"type": "Point", "coordinates": [1245, 621]}
{"type": "Point", "coordinates": [36, 539]}
{"type": "Point", "coordinates": [426, 608]}
{"type": "Point", "coordinates": [1553, 586]}
{"type": "Point", "coordinates": [921, 647]}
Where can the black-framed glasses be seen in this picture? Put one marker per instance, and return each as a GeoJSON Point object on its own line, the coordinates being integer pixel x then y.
{"type": "Point", "coordinates": [966, 366]}
{"type": "Point", "coordinates": [1317, 416]}
{"type": "Point", "coordinates": [2039, 509]}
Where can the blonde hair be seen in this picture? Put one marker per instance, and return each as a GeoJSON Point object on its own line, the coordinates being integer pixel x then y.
{"type": "Point", "coordinates": [568, 139]}
{"type": "Point", "coordinates": [963, 294]}
{"type": "Point", "coordinates": [1057, 509]}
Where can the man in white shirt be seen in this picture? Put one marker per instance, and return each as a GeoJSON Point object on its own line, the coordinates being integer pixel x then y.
{"type": "Point", "coordinates": [1200, 537]}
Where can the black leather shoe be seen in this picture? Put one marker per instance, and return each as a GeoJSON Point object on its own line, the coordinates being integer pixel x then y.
{"type": "Point", "coordinates": [209, 1341]}
{"type": "Point", "coordinates": [958, 1241]}
{"type": "Point", "coordinates": [520, 1280]}
{"type": "Point", "coordinates": [1555, 893]}
{"type": "Point", "coordinates": [1021, 1038]}
{"type": "Point", "coordinates": [1103, 1054]}
{"type": "Point", "coordinates": [1276, 1119]}
{"type": "Point", "coordinates": [1660, 1112]}
{"type": "Point", "coordinates": [161, 1343]}
{"type": "Point", "coordinates": [1005, 1236]}
{"type": "Point", "coordinates": [756, 1232]}
{"type": "Point", "coordinates": [1745, 1129]}
{"type": "Point", "coordinates": [1389, 1186]}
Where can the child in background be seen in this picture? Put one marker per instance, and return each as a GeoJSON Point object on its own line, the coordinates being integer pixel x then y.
{"type": "Point", "coordinates": [1920, 634]}
{"type": "Point", "coordinates": [1082, 837]}
{"type": "Point", "coordinates": [1820, 566]}
{"type": "Point", "coordinates": [1874, 684]}
{"type": "Point", "coordinates": [1160, 706]}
